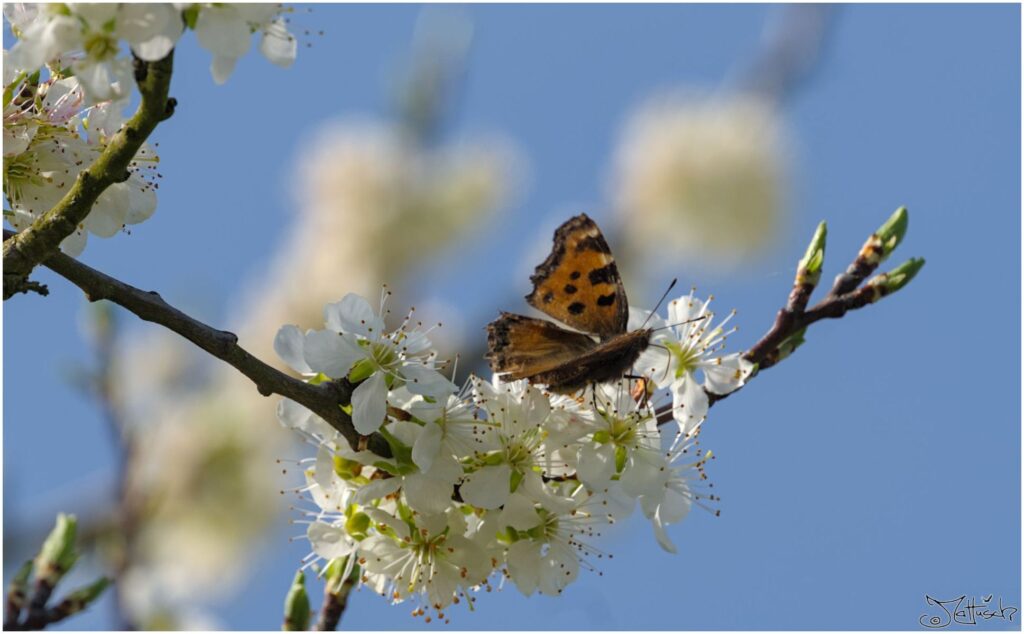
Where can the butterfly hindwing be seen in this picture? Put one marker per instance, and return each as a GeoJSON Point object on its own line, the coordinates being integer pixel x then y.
{"type": "Point", "coordinates": [523, 347]}
{"type": "Point", "coordinates": [579, 284]}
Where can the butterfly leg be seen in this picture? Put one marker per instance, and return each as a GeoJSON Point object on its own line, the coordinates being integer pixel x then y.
{"type": "Point", "coordinates": [640, 397]}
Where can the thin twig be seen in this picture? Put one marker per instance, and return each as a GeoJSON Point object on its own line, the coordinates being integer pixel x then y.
{"type": "Point", "coordinates": [324, 400]}
{"type": "Point", "coordinates": [40, 240]}
{"type": "Point", "coordinates": [334, 605]}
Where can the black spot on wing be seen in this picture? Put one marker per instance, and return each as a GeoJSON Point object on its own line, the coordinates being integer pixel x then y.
{"type": "Point", "coordinates": [607, 274]}
{"type": "Point", "coordinates": [576, 308]}
{"type": "Point", "coordinates": [575, 275]}
{"type": "Point", "coordinates": [548, 297]}
{"type": "Point", "coordinates": [570, 289]}
{"type": "Point", "coordinates": [606, 300]}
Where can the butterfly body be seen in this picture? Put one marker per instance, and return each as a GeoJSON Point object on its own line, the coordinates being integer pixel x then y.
{"type": "Point", "coordinates": [579, 285]}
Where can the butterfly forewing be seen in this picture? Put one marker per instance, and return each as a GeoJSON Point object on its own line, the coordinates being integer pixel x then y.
{"type": "Point", "coordinates": [579, 284]}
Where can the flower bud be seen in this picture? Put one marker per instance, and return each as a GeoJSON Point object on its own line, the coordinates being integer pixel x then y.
{"type": "Point", "coordinates": [16, 591]}
{"type": "Point", "coordinates": [80, 599]}
{"type": "Point", "coordinates": [58, 552]}
{"type": "Point", "coordinates": [808, 270]}
{"type": "Point", "coordinates": [889, 235]}
{"type": "Point", "coordinates": [894, 280]}
{"type": "Point", "coordinates": [296, 606]}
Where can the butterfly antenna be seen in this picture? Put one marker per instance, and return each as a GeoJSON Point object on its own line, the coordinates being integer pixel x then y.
{"type": "Point", "coordinates": [688, 321]}
{"type": "Point", "coordinates": [658, 305]}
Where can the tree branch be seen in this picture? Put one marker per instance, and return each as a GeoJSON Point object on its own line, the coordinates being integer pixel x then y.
{"type": "Point", "coordinates": [36, 243]}
{"type": "Point", "coordinates": [787, 332]}
{"type": "Point", "coordinates": [324, 400]}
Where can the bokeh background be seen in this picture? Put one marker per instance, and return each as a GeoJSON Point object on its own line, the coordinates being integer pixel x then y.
{"type": "Point", "coordinates": [435, 149]}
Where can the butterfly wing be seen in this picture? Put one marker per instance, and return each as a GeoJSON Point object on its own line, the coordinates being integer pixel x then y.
{"type": "Point", "coordinates": [522, 347]}
{"type": "Point", "coordinates": [579, 284]}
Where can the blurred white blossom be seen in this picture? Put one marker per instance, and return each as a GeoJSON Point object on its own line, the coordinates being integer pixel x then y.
{"type": "Point", "coordinates": [704, 175]}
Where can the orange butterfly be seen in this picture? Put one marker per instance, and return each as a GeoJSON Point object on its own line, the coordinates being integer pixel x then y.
{"type": "Point", "coordinates": [579, 285]}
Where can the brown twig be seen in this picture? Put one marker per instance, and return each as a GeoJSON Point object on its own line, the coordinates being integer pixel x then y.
{"type": "Point", "coordinates": [786, 333]}
{"type": "Point", "coordinates": [324, 400]}
{"type": "Point", "coordinates": [39, 241]}
{"type": "Point", "coordinates": [334, 605]}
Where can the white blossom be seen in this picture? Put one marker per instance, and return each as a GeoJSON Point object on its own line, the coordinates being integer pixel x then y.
{"type": "Point", "coordinates": [686, 344]}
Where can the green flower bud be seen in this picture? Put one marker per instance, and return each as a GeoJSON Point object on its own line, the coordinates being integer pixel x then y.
{"type": "Point", "coordinates": [808, 270]}
{"type": "Point", "coordinates": [891, 233]}
{"type": "Point", "coordinates": [357, 525]}
{"type": "Point", "coordinates": [296, 605]}
{"type": "Point", "coordinates": [16, 591]}
{"type": "Point", "coordinates": [82, 597]}
{"type": "Point", "coordinates": [894, 280]}
{"type": "Point", "coordinates": [57, 555]}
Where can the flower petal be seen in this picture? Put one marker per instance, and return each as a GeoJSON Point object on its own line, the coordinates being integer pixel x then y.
{"type": "Point", "coordinates": [427, 446]}
{"type": "Point", "coordinates": [329, 541]}
{"type": "Point", "coordinates": [326, 351]}
{"type": "Point", "coordinates": [487, 488]}
{"type": "Point", "coordinates": [426, 381]}
{"type": "Point", "coordinates": [369, 404]}
{"type": "Point", "coordinates": [289, 345]}
{"type": "Point", "coordinates": [278, 45]}
{"type": "Point", "coordinates": [689, 403]}
{"type": "Point", "coordinates": [353, 315]}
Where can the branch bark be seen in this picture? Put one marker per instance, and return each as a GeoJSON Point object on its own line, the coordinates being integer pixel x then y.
{"type": "Point", "coordinates": [324, 400]}
{"type": "Point", "coordinates": [36, 243]}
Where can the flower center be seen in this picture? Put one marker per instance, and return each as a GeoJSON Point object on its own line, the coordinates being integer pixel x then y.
{"type": "Point", "coordinates": [686, 357]}
{"type": "Point", "coordinates": [100, 46]}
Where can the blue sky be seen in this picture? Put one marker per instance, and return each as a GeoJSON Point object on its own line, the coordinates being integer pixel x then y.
{"type": "Point", "coordinates": [879, 464]}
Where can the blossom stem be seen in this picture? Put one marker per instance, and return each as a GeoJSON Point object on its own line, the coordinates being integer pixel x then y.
{"type": "Point", "coordinates": [334, 605]}
{"type": "Point", "coordinates": [36, 243]}
{"type": "Point", "coordinates": [324, 399]}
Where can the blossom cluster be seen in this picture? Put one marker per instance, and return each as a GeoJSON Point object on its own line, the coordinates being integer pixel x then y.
{"type": "Point", "coordinates": [496, 480]}
{"type": "Point", "coordinates": [67, 81]}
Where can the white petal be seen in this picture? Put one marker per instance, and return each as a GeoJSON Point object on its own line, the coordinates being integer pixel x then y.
{"type": "Point", "coordinates": [376, 490]}
{"type": "Point", "coordinates": [107, 216]}
{"type": "Point", "coordinates": [427, 495]}
{"type": "Point", "coordinates": [487, 488]}
{"type": "Point", "coordinates": [221, 31]}
{"type": "Point", "coordinates": [425, 381]}
{"type": "Point", "coordinates": [427, 446]}
{"type": "Point", "coordinates": [726, 374]}
{"type": "Point", "coordinates": [141, 201]}
{"type": "Point", "coordinates": [689, 402]}
{"type": "Point", "coordinates": [524, 565]}
{"type": "Point", "coordinates": [74, 244]}
{"type": "Point", "coordinates": [596, 465]}
{"type": "Point", "coordinates": [353, 315]}
{"type": "Point", "coordinates": [369, 404]}
{"type": "Point", "coordinates": [557, 570]}
{"type": "Point", "coordinates": [288, 344]}
{"type": "Point", "coordinates": [221, 68]}
{"type": "Point", "coordinates": [278, 45]}
{"type": "Point", "coordinates": [519, 513]}
{"type": "Point", "coordinates": [661, 535]}
{"type": "Point", "coordinates": [643, 474]}
{"type": "Point", "coordinates": [326, 351]}
{"type": "Point", "coordinates": [329, 541]}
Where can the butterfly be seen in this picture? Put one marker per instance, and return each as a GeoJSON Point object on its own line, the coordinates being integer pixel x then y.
{"type": "Point", "coordinates": [579, 285]}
